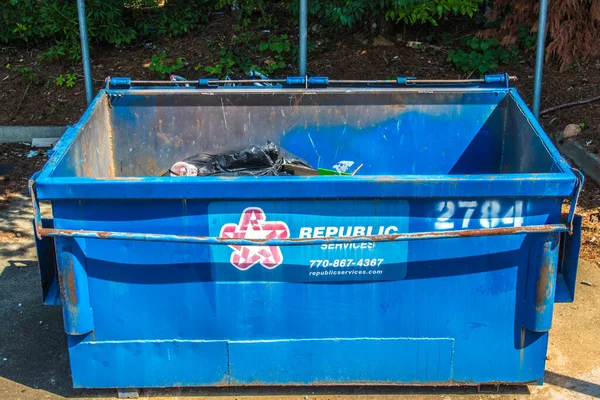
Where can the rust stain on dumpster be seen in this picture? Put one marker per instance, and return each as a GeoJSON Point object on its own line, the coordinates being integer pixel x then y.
{"type": "Point", "coordinates": [385, 179]}
{"type": "Point", "coordinates": [128, 178]}
{"type": "Point", "coordinates": [522, 349]}
{"type": "Point", "coordinates": [104, 235]}
{"type": "Point", "coordinates": [70, 281]}
{"type": "Point", "coordinates": [545, 283]}
{"type": "Point", "coordinates": [380, 383]}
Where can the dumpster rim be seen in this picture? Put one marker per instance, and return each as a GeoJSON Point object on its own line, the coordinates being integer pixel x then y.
{"type": "Point", "coordinates": [325, 90]}
{"type": "Point", "coordinates": [560, 185]}
{"type": "Point", "coordinates": [67, 139]}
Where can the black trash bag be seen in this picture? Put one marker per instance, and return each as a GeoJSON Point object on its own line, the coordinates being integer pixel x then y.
{"type": "Point", "coordinates": [267, 160]}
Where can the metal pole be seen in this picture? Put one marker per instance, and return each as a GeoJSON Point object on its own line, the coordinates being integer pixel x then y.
{"type": "Point", "coordinates": [539, 58]}
{"type": "Point", "coordinates": [303, 36]}
{"type": "Point", "coordinates": [85, 51]}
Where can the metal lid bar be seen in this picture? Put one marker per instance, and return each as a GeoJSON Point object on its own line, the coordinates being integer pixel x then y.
{"type": "Point", "coordinates": [210, 81]}
{"type": "Point", "coordinates": [315, 81]}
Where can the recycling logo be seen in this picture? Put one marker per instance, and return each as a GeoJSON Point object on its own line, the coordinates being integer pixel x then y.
{"type": "Point", "coordinates": [253, 224]}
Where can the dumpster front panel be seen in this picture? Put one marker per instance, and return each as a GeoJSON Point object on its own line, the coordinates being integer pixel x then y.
{"type": "Point", "coordinates": [423, 312]}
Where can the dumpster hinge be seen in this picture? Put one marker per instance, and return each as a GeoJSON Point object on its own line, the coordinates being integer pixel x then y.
{"type": "Point", "coordinates": [314, 81]}
{"type": "Point", "coordinates": [206, 83]}
{"type": "Point", "coordinates": [307, 81]}
{"type": "Point", "coordinates": [496, 79]}
{"type": "Point", "coordinates": [118, 83]}
{"type": "Point", "coordinates": [404, 80]}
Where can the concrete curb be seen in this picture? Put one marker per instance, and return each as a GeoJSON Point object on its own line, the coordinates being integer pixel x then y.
{"type": "Point", "coordinates": [588, 162]}
{"type": "Point", "coordinates": [13, 134]}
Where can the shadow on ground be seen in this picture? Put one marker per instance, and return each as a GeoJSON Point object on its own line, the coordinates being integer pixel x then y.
{"type": "Point", "coordinates": [573, 384]}
{"type": "Point", "coordinates": [33, 348]}
{"type": "Point", "coordinates": [32, 338]}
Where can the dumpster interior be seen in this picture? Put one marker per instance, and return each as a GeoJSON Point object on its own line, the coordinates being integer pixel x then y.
{"type": "Point", "coordinates": [389, 132]}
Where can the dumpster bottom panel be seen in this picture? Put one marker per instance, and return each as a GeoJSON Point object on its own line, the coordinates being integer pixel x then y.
{"type": "Point", "coordinates": [158, 363]}
{"type": "Point", "coordinates": [374, 360]}
{"type": "Point", "coordinates": [164, 363]}
{"type": "Point", "coordinates": [174, 363]}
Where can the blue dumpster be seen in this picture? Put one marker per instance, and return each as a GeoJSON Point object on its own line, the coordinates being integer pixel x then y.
{"type": "Point", "coordinates": [438, 263]}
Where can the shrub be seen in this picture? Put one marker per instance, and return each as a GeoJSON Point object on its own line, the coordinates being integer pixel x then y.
{"type": "Point", "coordinates": [481, 55]}
{"type": "Point", "coordinates": [165, 66]}
{"type": "Point", "coordinates": [573, 27]}
{"type": "Point", "coordinates": [173, 18]}
{"type": "Point", "coordinates": [343, 13]}
{"type": "Point", "coordinates": [115, 22]}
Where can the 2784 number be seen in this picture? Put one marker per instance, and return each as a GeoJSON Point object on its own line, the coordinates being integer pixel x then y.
{"type": "Point", "coordinates": [490, 214]}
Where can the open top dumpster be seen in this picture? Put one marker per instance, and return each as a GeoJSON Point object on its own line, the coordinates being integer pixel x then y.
{"type": "Point", "coordinates": [438, 263]}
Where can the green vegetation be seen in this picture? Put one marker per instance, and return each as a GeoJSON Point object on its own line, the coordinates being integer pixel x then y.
{"type": "Point", "coordinates": [263, 36]}
{"type": "Point", "coordinates": [165, 66]}
{"type": "Point", "coordinates": [67, 80]}
{"type": "Point", "coordinates": [25, 72]}
{"type": "Point", "coordinates": [526, 39]}
{"type": "Point", "coordinates": [54, 25]}
{"type": "Point", "coordinates": [481, 56]}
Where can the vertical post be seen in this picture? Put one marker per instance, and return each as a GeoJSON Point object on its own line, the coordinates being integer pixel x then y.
{"type": "Point", "coordinates": [303, 36]}
{"type": "Point", "coordinates": [539, 58]}
{"type": "Point", "coordinates": [85, 51]}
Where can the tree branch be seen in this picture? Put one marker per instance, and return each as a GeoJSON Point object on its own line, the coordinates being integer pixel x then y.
{"type": "Point", "coordinates": [570, 104]}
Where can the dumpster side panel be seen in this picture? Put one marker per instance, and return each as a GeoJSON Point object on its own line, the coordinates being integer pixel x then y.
{"type": "Point", "coordinates": [457, 314]}
{"type": "Point", "coordinates": [523, 150]}
{"type": "Point", "coordinates": [90, 154]}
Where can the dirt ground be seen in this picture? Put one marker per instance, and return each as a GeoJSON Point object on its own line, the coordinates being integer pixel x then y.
{"type": "Point", "coordinates": [16, 168]}
{"type": "Point", "coordinates": [33, 355]}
